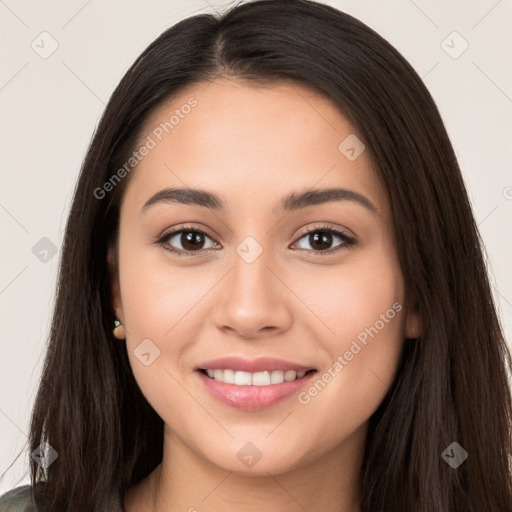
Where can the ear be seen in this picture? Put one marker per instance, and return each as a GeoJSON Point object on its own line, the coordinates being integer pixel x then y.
{"type": "Point", "coordinates": [112, 262]}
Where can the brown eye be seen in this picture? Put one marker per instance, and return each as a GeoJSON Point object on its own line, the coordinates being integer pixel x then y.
{"type": "Point", "coordinates": [185, 240]}
{"type": "Point", "coordinates": [321, 238]}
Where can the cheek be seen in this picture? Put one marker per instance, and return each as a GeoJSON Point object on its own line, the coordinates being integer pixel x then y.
{"type": "Point", "coordinates": [361, 335]}
{"type": "Point", "coordinates": [158, 297]}
{"type": "Point", "coordinates": [347, 299]}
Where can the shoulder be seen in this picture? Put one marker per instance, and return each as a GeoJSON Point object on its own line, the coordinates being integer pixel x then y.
{"type": "Point", "coordinates": [18, 499]}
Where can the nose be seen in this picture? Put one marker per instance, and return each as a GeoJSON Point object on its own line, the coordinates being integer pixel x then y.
{"type": "Point", "coordinates": [254, 301]}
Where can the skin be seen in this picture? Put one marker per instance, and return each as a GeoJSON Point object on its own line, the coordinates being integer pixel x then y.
{"type": "Point", "coordinates": [252, 145]}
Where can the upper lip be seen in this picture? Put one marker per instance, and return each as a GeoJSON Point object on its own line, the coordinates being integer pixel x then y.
{"type": "Point", "coordinates": [251, 365]}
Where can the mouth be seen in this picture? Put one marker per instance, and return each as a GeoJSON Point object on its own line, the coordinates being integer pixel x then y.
{"type": "Point", "coordinates": [253, 391]}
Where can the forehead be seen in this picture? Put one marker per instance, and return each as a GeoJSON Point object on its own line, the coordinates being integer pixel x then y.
{"type": "Point", "coordinates": [250, 143]}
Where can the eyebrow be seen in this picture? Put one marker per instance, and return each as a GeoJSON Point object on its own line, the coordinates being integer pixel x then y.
{"type": "Point", "coordinates": [291, 202]}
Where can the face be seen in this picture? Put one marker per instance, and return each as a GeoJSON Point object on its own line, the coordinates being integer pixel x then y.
{"type": "Point", "coordinates": [316, 285]}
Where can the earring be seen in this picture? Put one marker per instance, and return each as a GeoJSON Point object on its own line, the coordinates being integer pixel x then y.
{"type": "Point", "coordinates": [119, 331]}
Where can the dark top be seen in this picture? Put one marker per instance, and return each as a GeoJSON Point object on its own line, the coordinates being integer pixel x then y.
{"type": "Point", "coordinates": [19, 499]}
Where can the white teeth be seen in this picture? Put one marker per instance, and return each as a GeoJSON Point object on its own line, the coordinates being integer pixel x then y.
{"type": "Point", "coordinates": [242, 378]}
{"type": "Point", "coordinates": [276, 377]}
{"type": "Point", "coordinates": [261, 379]}
{"type": "Point", "coordinates": [290, 375]}
{"type": "Point", "coordinates": [228, 376]}
{"type": "Point", "coordinates": [264, 378]}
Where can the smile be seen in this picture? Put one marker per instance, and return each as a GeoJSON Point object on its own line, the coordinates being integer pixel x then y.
{"type": "Point", "coordinates": [253, 391]}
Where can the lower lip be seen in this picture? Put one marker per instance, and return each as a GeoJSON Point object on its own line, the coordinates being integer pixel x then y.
{"type": "Point", "coordinates": [253, 398]}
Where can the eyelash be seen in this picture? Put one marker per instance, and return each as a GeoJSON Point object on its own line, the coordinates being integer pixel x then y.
{"type": "Point", "coordinates": [347, 240]}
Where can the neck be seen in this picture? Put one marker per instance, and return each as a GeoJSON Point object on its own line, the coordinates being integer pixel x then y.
{"type": "Point", "coordinates": [185, 481]}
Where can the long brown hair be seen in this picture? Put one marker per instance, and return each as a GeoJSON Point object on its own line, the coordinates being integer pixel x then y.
{"type": "Point", "coordinates": [452, 382]}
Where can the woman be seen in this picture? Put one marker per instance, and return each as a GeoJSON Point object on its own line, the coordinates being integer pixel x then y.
{"type": "Point", "coordinates": [193, 363]}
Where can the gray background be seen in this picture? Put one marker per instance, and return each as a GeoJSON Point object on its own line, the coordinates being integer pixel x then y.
{"type": "Point", "coordinates": [51, 104]}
